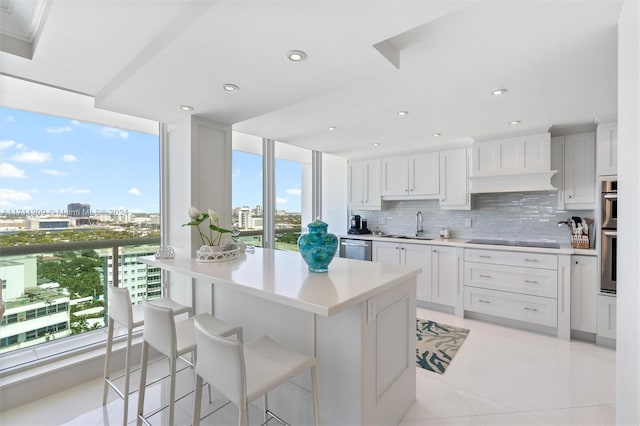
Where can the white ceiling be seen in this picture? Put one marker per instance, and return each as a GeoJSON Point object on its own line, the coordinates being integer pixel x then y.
{"type": "Point", "coordinates": [557, 59]}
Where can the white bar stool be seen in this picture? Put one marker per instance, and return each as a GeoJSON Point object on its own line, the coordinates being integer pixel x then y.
{"type": "Point", "coordinates": [243, 373]}
{"type": "Point", "coordinates": [173, 339]}
{"type": "Point", "coordinates": [121, 312]}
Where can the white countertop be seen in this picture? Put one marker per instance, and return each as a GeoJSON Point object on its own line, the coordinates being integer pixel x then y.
{"type": "Point", "coordinates": [283, 277]}
{"type": "Point", "coordinates": [459, 242]}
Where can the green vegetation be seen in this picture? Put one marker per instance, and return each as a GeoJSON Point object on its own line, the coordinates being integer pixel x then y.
{"type": "Point", "coordinates": [80, 272]}
{"type": "Point", "coordinates": [48, 237]}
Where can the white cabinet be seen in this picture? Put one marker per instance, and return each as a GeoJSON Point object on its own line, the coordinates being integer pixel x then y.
{"type": "Point", "coordinates": [438, 279]}
{"type": "Point", "coordinates": [584, 292]}
{"type": "Point", "coordinates": [444, 275]}
{"type": "Point", "coordinates": [364, 185]}
{"type": "Point", "coordinates": [413, 177]}
{"type": "Point", "coordinates": [407, 254]}
{"type": "Point", "coordinates": [516, 285]}
{"type": "Point", "coordinates": [606, 316]}
{"type": "Point", "coordinates": [454, 188]}
{"type": "Point", "coordinates": [521, 163]}
{"type": "Point", "coordinates": [575, 156]}
{"type": "Point", "coordinates": [607, 144]}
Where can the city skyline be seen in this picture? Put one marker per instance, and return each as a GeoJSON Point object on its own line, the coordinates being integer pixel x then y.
{"type": "Point", "coordinates": [48, 162]}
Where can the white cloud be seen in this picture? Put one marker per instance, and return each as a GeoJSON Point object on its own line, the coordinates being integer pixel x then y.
{"type": "Point", "coordinates": [58, 129]}
{"type": "Point", "coordinates": [54, 172]}
{"type": "Point", "coordinates": [32, 157]}
{"type": "Point", "coordinates": [236, 173]}
{"type": "Point", "coordinates": [73, 191]}
{"type": "Point", "coordinates": [280, 200]}
{"type": "Point", "coordinates": [6, 144]}
{"type": "Point", "coordinates": [294, 191]}
{"type": "Point", "coordinates": [7, 196]}
{"type": "Point", "coordinates": [78, 123]}
{"type": "Point", "coordinates": [10, 118]}
{"type": "Point", "coordinates": [134, 191]}
{"type": "Point", "coordinates": [112, 132]}
{"type": "Point", "coordinates": [8, 170]}
{"type": "Point", "coordinates": [69, 158]}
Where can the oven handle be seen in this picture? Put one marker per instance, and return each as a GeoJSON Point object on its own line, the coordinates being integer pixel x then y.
{"type": "Point", "coordinates": [610, 233]}
{"type": "Point", "coordinates": [611, 196]}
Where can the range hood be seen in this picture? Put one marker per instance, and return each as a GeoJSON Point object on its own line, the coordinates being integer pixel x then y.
{"type": "Point", "coordinates": [514, 164]}
{"type": "Point", "coordinates": [539, 181]}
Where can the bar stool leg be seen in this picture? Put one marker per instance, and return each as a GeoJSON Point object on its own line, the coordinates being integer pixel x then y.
{"type": "Point", "coordinates": [314, 387]}
{"type": "Point", "coordinates": [198, 398]}
{"type": "Point", "coordinates": [107, 361]}
{"type": "Point", "coordinates": [127, 376]}
{"type": "Point", "coordinates": [143, 382]}
{"type": "Point", "coordinates": [172, 391]}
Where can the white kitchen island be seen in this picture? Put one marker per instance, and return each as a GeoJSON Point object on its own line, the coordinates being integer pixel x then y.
{"type": "Point", "coordinates": [358, 319]}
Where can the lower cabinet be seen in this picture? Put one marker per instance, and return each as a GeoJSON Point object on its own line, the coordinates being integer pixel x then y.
{"type": "Point", "coordinates": [606, 316]}
{"type": "Point", "coordinates": [584, 293]}
{"type": "Point", "coordinates": [520, 286]}
{"type": "Point", "coordinates": [437, 281]}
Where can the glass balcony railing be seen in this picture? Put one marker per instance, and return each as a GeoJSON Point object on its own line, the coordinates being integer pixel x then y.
{"type": "Point", "coordinates": [55, 291]}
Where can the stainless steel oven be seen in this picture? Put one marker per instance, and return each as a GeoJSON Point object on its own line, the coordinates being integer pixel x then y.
{"type": "Point", "coordinates": [609, 204]}
{"type": "Point", "coordinates": [355, 249]}
{"type": "Point", "coordinates": [608, 243]}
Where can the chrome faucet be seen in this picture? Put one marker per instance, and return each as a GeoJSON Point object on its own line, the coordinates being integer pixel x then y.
{"type": "Point", "coordinates": [419, 223]}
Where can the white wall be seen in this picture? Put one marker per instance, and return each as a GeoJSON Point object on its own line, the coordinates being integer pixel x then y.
{"type": "Point", "coordinates": [628, 287]}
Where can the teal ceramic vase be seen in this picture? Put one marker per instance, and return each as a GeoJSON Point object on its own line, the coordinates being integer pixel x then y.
{"type": "Point", "coordinates": [318, 247]}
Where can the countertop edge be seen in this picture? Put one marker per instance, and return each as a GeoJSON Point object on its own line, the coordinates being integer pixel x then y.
{"type": "Point", "coordinates": [459, 242]}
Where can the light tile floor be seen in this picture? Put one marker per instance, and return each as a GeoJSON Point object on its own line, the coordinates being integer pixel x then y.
{"type": "Point", "coordinates": [500, 376]}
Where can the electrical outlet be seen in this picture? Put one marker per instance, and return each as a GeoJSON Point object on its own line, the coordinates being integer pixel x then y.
{"type": "Point", "coordinates": [467, 223]}
{"type": "Point", "coordinates": [382, 220]}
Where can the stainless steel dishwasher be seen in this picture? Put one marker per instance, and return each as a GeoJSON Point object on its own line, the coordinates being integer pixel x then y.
{"type": "Point", "coordinates": [355, 249]}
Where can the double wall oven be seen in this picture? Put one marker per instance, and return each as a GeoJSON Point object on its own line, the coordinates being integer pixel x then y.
{"type": "Point", "coordinates": [609, 226]}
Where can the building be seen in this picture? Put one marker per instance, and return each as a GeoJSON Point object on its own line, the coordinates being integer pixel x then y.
{"type": "Point", "coordinates": [79, 210]}
{"type": "Point", "coordinates": [33, 313]}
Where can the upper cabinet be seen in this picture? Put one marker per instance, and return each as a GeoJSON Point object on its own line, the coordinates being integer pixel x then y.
{"type": "Point", "coordinates": [575, 156]}
{"type": "Point", "coordinates": [521, 163]}
{"type": "Point", "coordinates": [364, 185]}
{"type": "Point", "coordinates": [454, 189]}
{"type": "Point", "coordinates": [412, 177]}
{"type": "Point", "coordinates": [607, 143]}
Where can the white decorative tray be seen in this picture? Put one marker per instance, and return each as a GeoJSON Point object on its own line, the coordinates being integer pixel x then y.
{"type": "Point", "coordinates": [208, 254]}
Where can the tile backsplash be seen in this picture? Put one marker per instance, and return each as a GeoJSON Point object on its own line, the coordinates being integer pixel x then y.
{"type": "Point", "coordinates": [528, 216]}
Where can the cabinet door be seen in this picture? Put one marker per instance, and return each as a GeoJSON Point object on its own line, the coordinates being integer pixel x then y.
{"type": "Point", "coordinates": [420, 256]}
{"type": "Point", "coordinates": [580, 171]}
{"type": "Point", "coordinates": [371, 179]}
{"type": "Point", "coordinates": [454, 192]}
{"type": "Point", "coordinates": [443, 275]}
{"type": "Point", "coordinates": [356, 184]}
{"type": "Point", "coordinates": [386, 252]}
{"type": "Point", "coordinates": [607, 143]}
{"type": "Point", "coordinates": [424, 174]}
{"type": "Point", "coordinates": [584, 293]}
{"type": "Point", "coordinates": [606, 316]}
{"type": "Point", "coordinates": [395, 176]}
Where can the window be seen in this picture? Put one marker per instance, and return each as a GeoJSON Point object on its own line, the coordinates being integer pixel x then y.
{"type": "Point", "coordinates": [69, 174]}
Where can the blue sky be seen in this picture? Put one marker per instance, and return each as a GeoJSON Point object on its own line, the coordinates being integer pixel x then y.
{"type": "Point", "coordinates": [47, 162]}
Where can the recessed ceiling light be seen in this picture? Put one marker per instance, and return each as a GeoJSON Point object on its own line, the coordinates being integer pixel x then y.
{"type": "Point", "coordinates": [230, 87]}
{"type": "Point", "coordinates": [514, 122]}
{"type": "Point", "coordinates": [332, 127]}
{"type": "Point", "coordinates": [186, 107]}
{"type": "Point", "coordinates": [436, 135]}
{"type": "Point", "coordinates": [296, 55]}
{"type": "Point", "coordinates": [403, 113]}
{"type": "Point", "coordinates": [376, 144]}
{"type": "Point", "coordinates": [499, 92]}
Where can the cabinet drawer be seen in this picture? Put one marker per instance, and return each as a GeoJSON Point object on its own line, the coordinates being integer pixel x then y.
{"type": "Point", "coordinates": [521, 307]}
{"type": "Point", "coordinates": [535, 282]}
{"type": "Point", "coordinates": [512, 258]}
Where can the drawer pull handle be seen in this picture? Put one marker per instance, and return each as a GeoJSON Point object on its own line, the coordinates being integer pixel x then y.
{"type": "Point", "coordinates": [530, 309]}
{"type": "Point", "coordinates": [531, 260]}
{"type": "Point", "coordinates": [531, 281]}
{"type": "Point", "coordinates": [483, 301]}
{"type": "Point", "coordinates": [484, 256]}
{"type": "Point", "coordinates": [485, 276]}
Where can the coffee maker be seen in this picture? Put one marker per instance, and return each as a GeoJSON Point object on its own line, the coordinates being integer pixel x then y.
{"type": "Point", "coordinates": [358, 225]}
